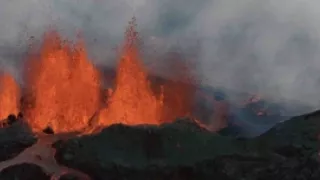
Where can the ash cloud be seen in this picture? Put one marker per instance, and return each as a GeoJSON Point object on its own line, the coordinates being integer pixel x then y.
{"type": "Point", "coordinates": [266, 47]}
{"type": "Point", "coordinates": [271, 47]}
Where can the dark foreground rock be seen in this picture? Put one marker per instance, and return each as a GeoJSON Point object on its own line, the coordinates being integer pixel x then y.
{"type": "Point", "coordinates": [180, 151]}
{"type": "Point", "coordinates": [183, 150]}
{"type": "Point", "coordinates": [23, 172]}
{"type": "Point", "coordinates": [15, 138]}
{"type": "Point", "coordinates": [222, 168]}
{"type": "Point", "coordinates": [69, 177]}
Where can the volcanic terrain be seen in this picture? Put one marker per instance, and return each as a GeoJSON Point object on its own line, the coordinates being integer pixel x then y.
{"type": "Point", "coordinates": [71, 120]}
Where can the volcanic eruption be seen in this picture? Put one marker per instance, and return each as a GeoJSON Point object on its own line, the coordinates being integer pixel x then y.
{"type": "Point", "coordinates": [132, 101]}
{"type": "Point", "coordinates": [62, 86]}
{"type": "Point", "coordinates": [63, 89]}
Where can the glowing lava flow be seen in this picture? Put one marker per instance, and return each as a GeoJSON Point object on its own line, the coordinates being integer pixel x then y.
{"type": "Point", "coordinates": [42, 154]}
{"type": "Point", "coordinates": [132, 101]}
{"type": "Point", "coordinates": [9, 96]}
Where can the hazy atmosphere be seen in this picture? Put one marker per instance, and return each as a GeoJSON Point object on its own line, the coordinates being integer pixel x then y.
{"type": "Point", "coordinates": [266, 47]}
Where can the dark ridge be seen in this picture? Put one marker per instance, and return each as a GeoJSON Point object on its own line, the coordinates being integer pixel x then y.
{"type": "Point", "coordinates": [312, 115]}
{"type": "Point", "coordinates": [182, 150]}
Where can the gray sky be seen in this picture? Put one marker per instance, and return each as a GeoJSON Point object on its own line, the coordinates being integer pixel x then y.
{"type": "Point", "coordinates": [266, 46]}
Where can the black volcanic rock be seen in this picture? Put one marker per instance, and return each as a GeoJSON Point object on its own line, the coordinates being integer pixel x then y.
{"type": "Point", "coordinates": [298, 135]}
{"type": "Point", "coordinates": [14, 139]}
{"type": "Point", "coordinates": [258, 168]}
{"type": "Point", "coordinates": [48, 130]}
{"type": "Point", "coordinates": [69, 177]}
{"type": "Point", "coordinates": [165, 147]}
{"type": "Point", "coordinates": [11, 119]}
{"type": "Point", "coordinates": [183, 150]}
{"type": "Point", "coordinates": [23, 171]}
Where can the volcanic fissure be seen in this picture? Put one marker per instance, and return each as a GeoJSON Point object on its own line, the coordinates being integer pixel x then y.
{"type": "Point", "coordinates": [63, 89]}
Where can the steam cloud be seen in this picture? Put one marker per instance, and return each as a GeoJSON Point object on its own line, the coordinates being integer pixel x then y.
{"type": "Point", "coordinates": [266, 47]}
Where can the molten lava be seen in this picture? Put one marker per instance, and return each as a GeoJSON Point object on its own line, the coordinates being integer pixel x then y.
{"type": "Point", "coordinates": [62, 89]}
{"type": "Point", "coordinates": [63, 86]}
{"type": "Point", "coordinates": [132, 102]}
{"type": "Point", "coordinates": [179, 94]}
{"type": "Point", "coordinates": [9, 96]}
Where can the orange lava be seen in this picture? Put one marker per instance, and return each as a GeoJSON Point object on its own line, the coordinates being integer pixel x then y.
{"type": "Point", "coordinates": [179, 94]}
{"type": "Point", "coordinates": [9, 96]}
{"type": "Point", "coordinates": [132, 102]}
{"type": "Point", "coordinates": [64, 87]}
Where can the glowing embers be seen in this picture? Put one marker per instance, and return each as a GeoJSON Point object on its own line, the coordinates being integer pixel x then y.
{"type": "Point", "coordinates": [132, 101]}
{"type": "Point", "coordinates": [62, 86]}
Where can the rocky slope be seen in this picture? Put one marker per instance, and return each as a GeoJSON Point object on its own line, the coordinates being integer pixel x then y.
{"type": "Point", "coordinates": [183, 150]}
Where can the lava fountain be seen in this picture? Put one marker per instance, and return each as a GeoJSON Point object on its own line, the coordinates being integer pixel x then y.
{"type": "Point", "coordinates": [9, 96]}
{"type": "Point", "coordinates": [63, 86]}
{"type": "Point", "coordinates": [62, 89]}
{"type": "Point", "coordinates": [132, 102]}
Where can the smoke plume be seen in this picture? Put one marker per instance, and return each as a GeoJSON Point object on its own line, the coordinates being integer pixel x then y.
{"type": "Point", "coordinates": [265, 47]}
